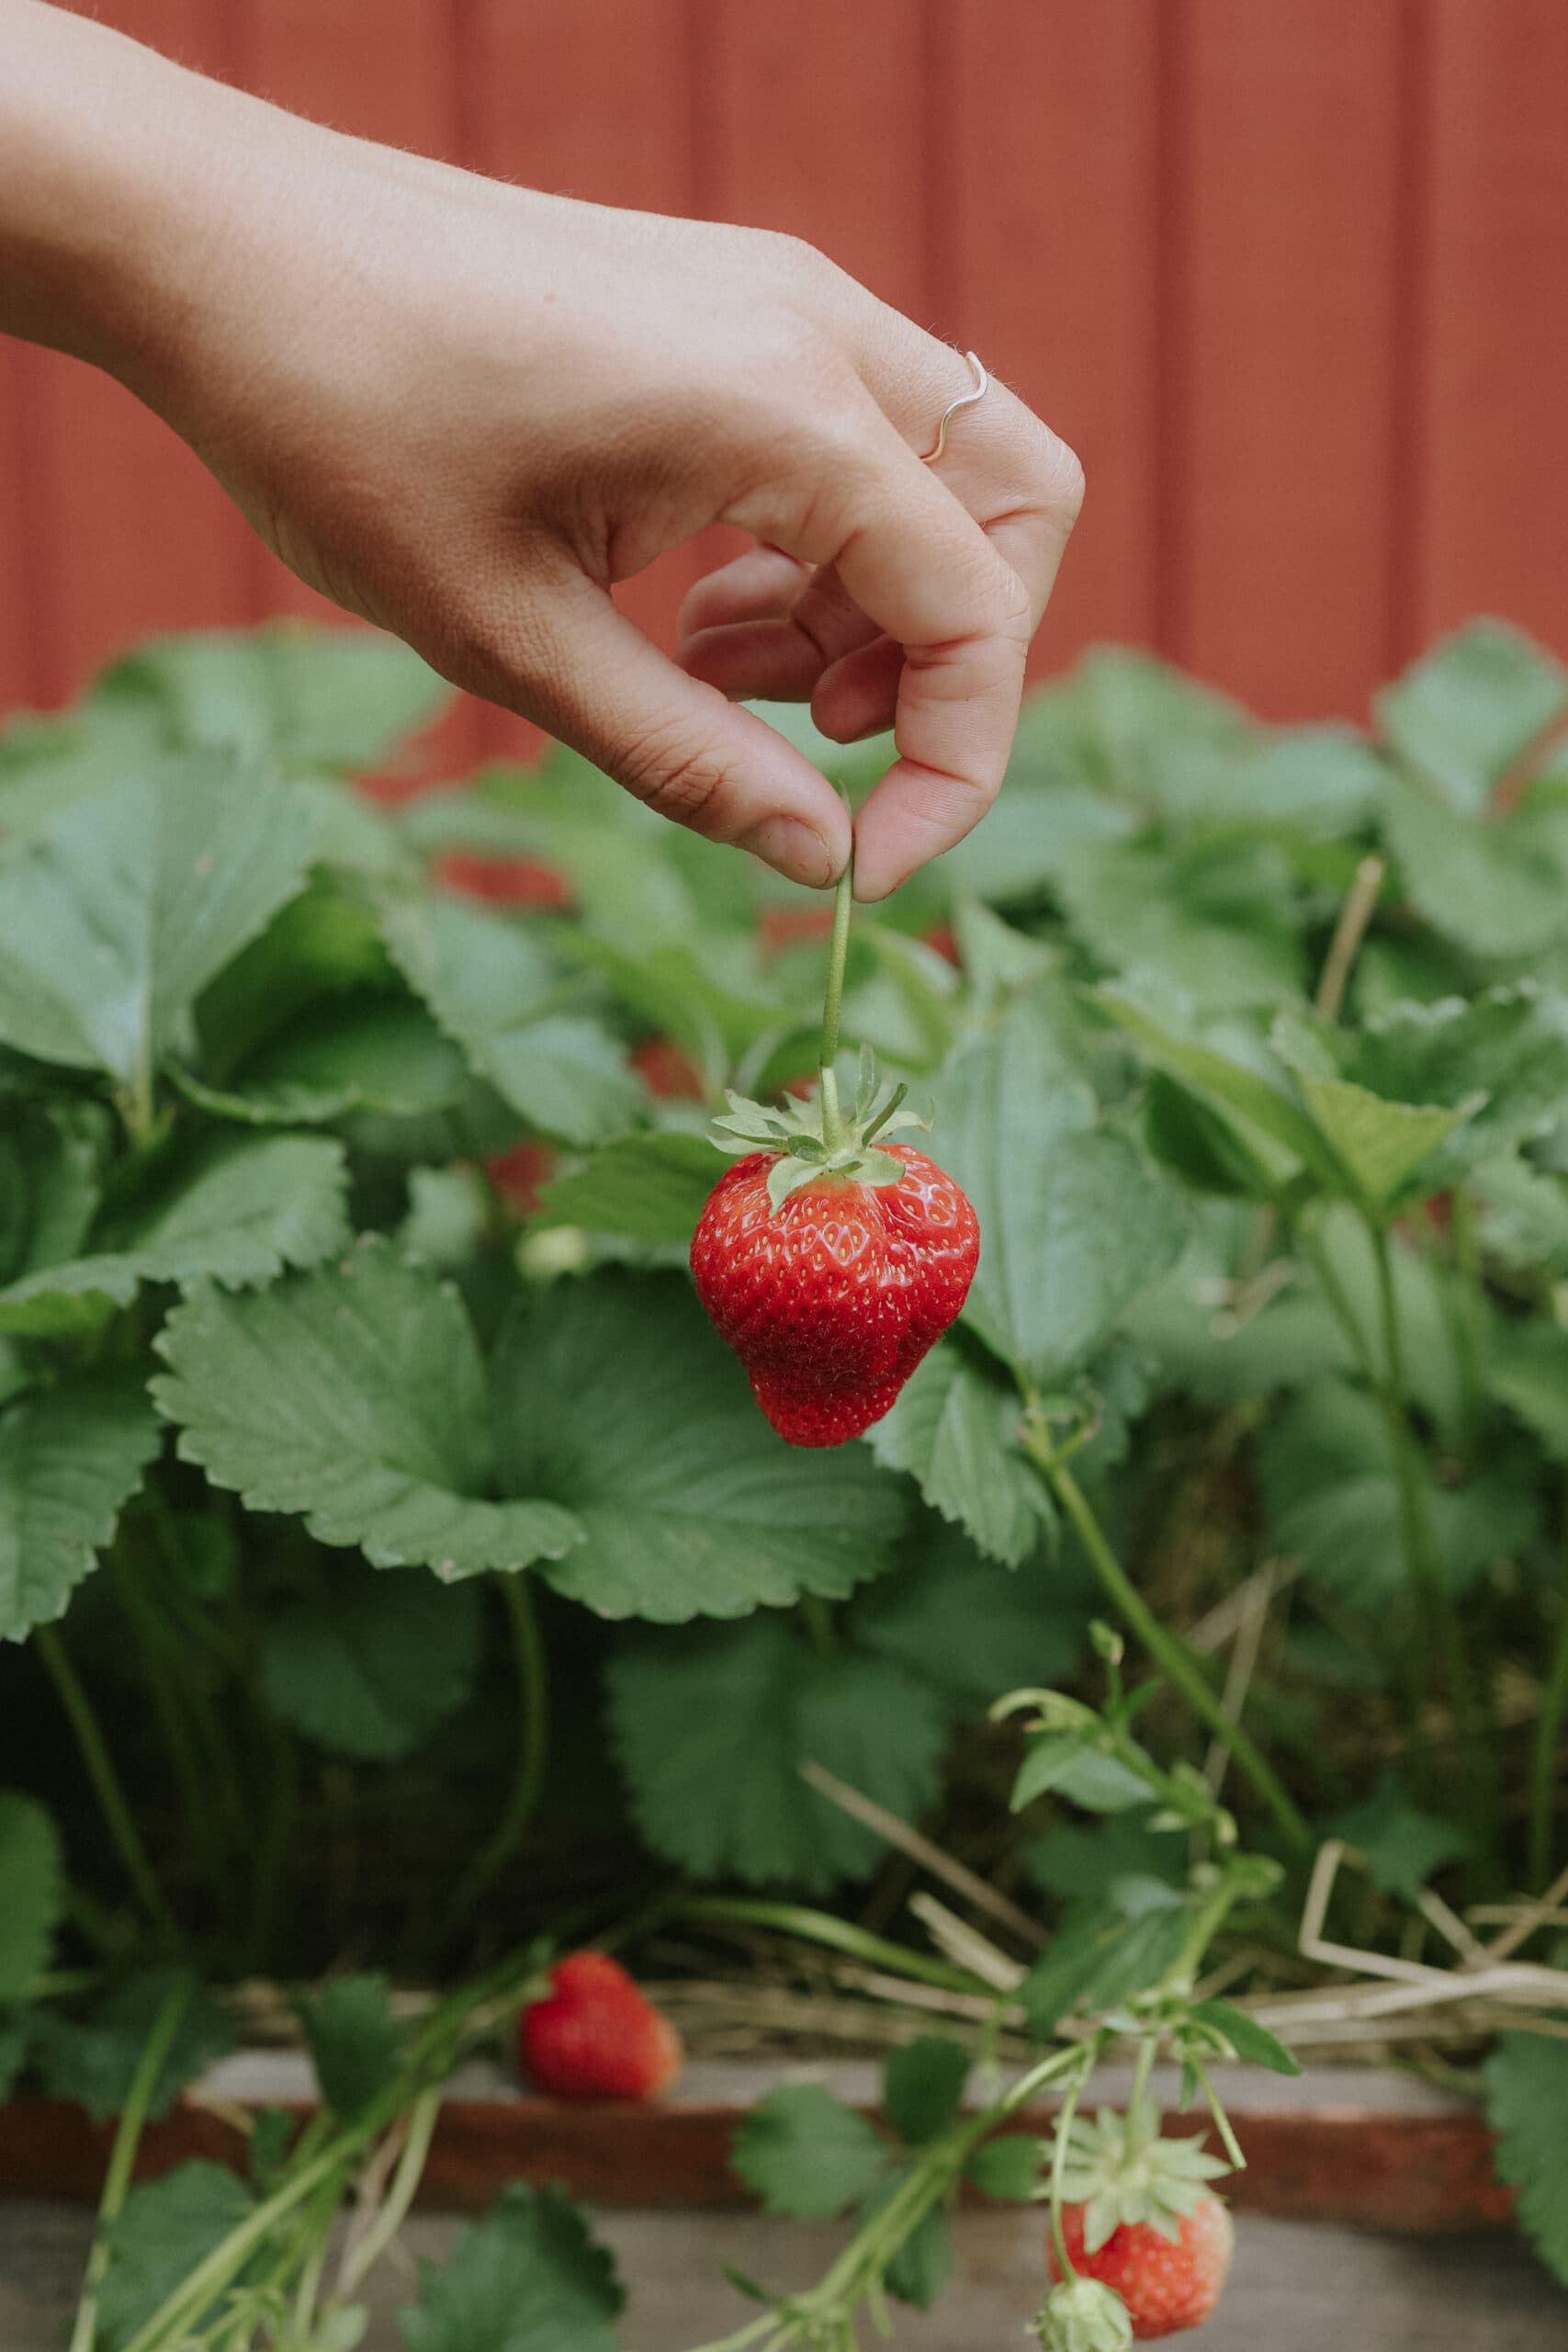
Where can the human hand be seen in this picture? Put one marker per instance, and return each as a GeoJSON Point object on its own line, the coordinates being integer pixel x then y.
{"type": "Point", "coordinates": [463, 409]}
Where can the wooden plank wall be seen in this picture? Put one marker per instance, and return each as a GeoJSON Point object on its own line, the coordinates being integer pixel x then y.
{"type": "Point", "coordinates": [1291, 275]}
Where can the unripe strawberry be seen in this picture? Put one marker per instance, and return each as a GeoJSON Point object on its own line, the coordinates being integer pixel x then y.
{"type": "Point", "coordinates": [1167, 2285]}
{"type": "Point", "coordinates": [596, 2035]}
{"type": "Point", "coordinates": [1139, 2218]}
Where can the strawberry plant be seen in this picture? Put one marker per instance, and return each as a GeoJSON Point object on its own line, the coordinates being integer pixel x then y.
{"type": "Point", "coordinates": [394, 1559]}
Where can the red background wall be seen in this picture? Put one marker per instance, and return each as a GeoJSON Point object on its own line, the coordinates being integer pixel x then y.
{"type": "Point", "coordinates": [1292, 276]}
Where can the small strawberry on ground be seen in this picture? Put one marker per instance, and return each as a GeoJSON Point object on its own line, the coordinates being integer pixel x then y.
{"type": "Point", "coordinates": [1139, 2219]}
{"type": "Point", "coordinates": [595, 2034]}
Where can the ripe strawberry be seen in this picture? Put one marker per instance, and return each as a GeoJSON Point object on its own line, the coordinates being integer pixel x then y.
{"type": "Point", "coordinates": [596, 2035]}
{"type": "Point", "coordinates": [521, 1174]}
{"type": "Point", "coordinates": [832, 1285]}
{"type": "Point", "coordinates": [503, 881]}
{"type": "Point", "coordinates": [667, 1072]}
{"type": "Point", "coordinates": [1141, 2219]}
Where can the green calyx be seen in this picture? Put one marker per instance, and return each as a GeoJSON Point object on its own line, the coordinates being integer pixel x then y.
{"type": "Point", "coordinates": [1122, 2173]}
{"type": "Point", "coordinates": [1083, 2316]}
{"type": "Point", "coordinates": [813, 1140]}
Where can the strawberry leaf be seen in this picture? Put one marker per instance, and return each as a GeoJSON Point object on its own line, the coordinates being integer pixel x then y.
{"type": "Point", "coordinates": [92, 2059]}
{"type": "Point", "coordinates": [356, 1394]}
{"type": "Point", "coordinates": [366, 1664]}
{"type": "Point", "coordinates": [616, 1398]}
{"type": "Point", "coordinates": [70, 1459]}
{"type": "Point", "coordinates": [378, 1052]}
{"type": "Point", "coordinates": [640, 1188]}
{"type": "Point", "coordinates": [32, 1874]}
{"type": "Point", "coordinates": [1527, 2106]}
{"type": "Point", "coordinates": [528, 2278]}
{"type": "Point", "coordinates": [1467, 708]}
{"type": "Point", "coordinates": [163, 2230]}
{"type": "Point", "coordinates": [968, 1626]}
{"type": "Point", "coordinates": [807, 2156]}
{"type": "Point", "coordinates": [1009, 2167]}
{"type": "Point", "coordinates": [922, 2084]}
{"type": "Point", "coordinates": [950, 1428]}
{"type": "Point", "coordinates": [1253, 2044]}
{"type": "Point", "coordinates": [354, 2043]}
{"type": "Point", "coordinates": [713, 1726]}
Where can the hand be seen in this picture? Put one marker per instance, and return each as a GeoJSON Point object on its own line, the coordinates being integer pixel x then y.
{"type": "Point", "coordinates": [463, 409]}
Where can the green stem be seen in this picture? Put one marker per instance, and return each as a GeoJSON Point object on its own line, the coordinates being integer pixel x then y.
{"type": "Point", "coordinates": [532, 1748]}
{"type": "Point", "coordinates": [1543, 1756]}
{"type": "Point", "coordinates": [817, 1616]}
{"type": "Point", "coordinates": [1059, 2167]}
{"type": "Point", "coordinates": [1168, 1651]}
{"type": "Point", "coordinates": [839, 948]}
{"type": "Point", "coordinates": [100, 1770]}
{"type": "Point", "coordinates": [196, 1774]}
{"type": "Point", "coordinates": [399, 2197]}
{"type": "Point", "coordinates": [839, 1934]}
{"type": "Point", "coordinates": [122, 2158]}
{"type": "Point", "coordinates": [1469, 1315]}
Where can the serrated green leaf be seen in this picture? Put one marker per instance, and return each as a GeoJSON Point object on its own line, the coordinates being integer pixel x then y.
{"type": "Point", "coordinates": [922, 2084]}
{"type": "Point", "coordinates": [163, 2230]}
{"type": "Point", "coordinates": [1072, 1223]}
{"type": "Point", "coordinates": [1502, 1058]}
{"type": "Point", "coordinates": [1380, 1143]}
{"type": "Point", "coordinates": [1527, 2106]}
{"type": "Point", "coordinates": [1253, 2044]}
{"type": "Point", "coordinates": [356, 1394]}
{"type": "Point", "coordinates": [496, 992]}
{"type": "Point", "coordinates": [114, 916]}
{"type": "Point", "coordinates": [367, 1664]}
{"type": "Point", "coordinates": [1470, 705]}
{"type": "Point", "coordinates": [1400, 1844]}
{"type": "Point", "coordinates": [712, 1727]}
{"type": "Point", "coordinates": [237, 1210]}
{"type": "Point", "coordinates": [1496, 888]}
{"type": "Point", "coordinates": [643, 1188]}
{"type": "Point", "coordinates": [965, 1625]}
{"type": "Point", "coordinates": [1231, 1084]}
{"type": "Point", "coordinates": [93, 2058]}
{"type": "Point", "coordinates": [950, 1428]}
{"type": "Point", "coordinates": [528, 2278]}
{"type": "Point", "coordinates": [806, 2155]}
{"type": "Point", "coordinates": [692, 1506]}
{"type": "Point", "coordinates": [322, 944]}
{"type": "Point", "coordinates": [355, 2045]}
{"type": "Point", "coordinates": [371, 1054]}
{"type": "Point", "coordinates": [1212, 918]}
{"type": "Point", "coordinates": [1009, 2167]}
{"type": "Point", "coordinates": [32, 1892]}
{"type": "Point", "coordinates": [69, 1458]}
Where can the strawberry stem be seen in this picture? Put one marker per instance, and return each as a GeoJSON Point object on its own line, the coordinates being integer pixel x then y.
{"type": "Point", "coordinates": [843, 906]}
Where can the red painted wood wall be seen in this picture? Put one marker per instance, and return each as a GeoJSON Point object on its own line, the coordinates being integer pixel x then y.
{"type": "Point", "coordinates": [1292, 276]}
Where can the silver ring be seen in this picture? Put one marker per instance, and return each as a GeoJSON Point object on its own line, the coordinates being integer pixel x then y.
{"type": "Point", "coordinates": [964, 399]}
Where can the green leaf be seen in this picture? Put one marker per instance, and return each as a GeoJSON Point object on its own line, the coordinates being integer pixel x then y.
{"type": "Point", "coordinates": [92, 2059]}
{"type": "Point", "coordinates": [1090, 1864]}
{"type": "Point", "coordinates": [1261, 1103]}
{"type": "Point", "coordinates": [237, 1210]}
{"type": "Point", "coordinates": [528, 2278]}
{"type": "Point", "coordinates": [1467, 708]}
{"type": "Point", "coordinates": [1503, 1059]}
{"type": "Point", "coordinates": [32, 1894]}
{"type": "Point", "coordinates": [1527, 2106]}
{"type": "Point", "coordinates": [713, 1726]}
{"type": "Point", "coordinates": [616, 1398]}
{"type": "Point", "coordinates": [922, 2084]}
{"type": "Point", "coordinates": [1253, 2044]}
{"type": "Point", "coordinates": [380, 1053]}
{"type": "Point", "coordinates": [1401, 1845]}
{"type": "Point", "coordinates": [921, 2265]}
{"type": "Point", "coordinates": [950, 1428]}
{"type": "Point", "coordinates": [50, 1156]}
{"type": "Point", "coordinates": [642, 1188]}
{"type": "Point", "coordinates": [163, 2230]}
{"type": "Point", "coordinates": [1009, 2167]}
{"type": "Point", "coordinates": [1527, 1369]}
{"type": "Point", "coordinates": [1494, 888]}
{"type": "Point", "coordinates": [1097, 1959]}
{"type": "Point", "coordinates": [355, 2045]}
{"type": "Point", "coordinates": [1379, 1143]}
{"type": "Point", "coordinates": [14, 2025]}
{"type": "Point", "coordinates": [968, 1626]}
{"type": "Point", "coordinates": [806, 2155]}
{"type": "Point", "coordinates": [356, 1394]}
{"type": "Point", "coordinates": [1213, 918]}
{"type": "Point", "coordinates": [336, 699]}
{"type": "Point", "coordinates": [1072, 1223]}
{"type": "Point", "coordinates": [495, 992]}
{"type": "Point", "coordinates": [69, 1458]}
{"type": "Point", "coordinates": [114, 916]}
{"type": "Point", "coordinates": [368, 1665]}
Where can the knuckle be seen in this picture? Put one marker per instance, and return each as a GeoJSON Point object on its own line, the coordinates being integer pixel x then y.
{"type": "Point", "coordinates": [1063, 474]}
{"type": "Point", "coordinates": [669, 772]}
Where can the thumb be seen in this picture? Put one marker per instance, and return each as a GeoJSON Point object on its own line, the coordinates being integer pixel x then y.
{"type": "Point", "coordinates": [675, 743]}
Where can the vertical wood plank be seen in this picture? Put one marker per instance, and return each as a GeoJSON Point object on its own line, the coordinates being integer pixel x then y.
{"type": "Point", "coordinates": [1288, 159]}
{"type": "Point", "coordinates": [1492, 530]}
{"type": "Point", "coordinates": [1048, 238]}
{"type": "Point", "coordinates": [128, 531]}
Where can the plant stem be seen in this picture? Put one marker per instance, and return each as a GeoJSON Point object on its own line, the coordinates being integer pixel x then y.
{"type": "Point", "coordinates": [531, 1745]}
{"type": "Point", "coordinates": [1168, 1649]}
{"type": "Point", "coordinates": [1543, 1756]}
{"type": "Point", "coordinates": [399, 2197]}
{"type": "Point", "coordinates": [199, 1776]}
{"type": "Point", "coordinates": [122, 2158]}
{"type": "Point", "coordinates": [843, 907]}
{"type": "Point", "coordinates": [99, 1766]}
{"type": "Point", "coordinates": [1058, 2170]}
{"type": "Point", "coordinates": [838, 1935]}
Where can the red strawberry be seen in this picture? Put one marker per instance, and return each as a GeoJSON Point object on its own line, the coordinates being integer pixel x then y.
{"type": "Point", "coordinates": [782, 927]}
{"type": "Point", "coordinates": [667, 1072]}
{"type": "Point", "coordinates": [831, 1295]}
{"type": "Point", "coordinates": [1166, 2286]}
{"type": "Point", "coordinates": [1140, 2220]}
{"type": "Point", "coordinates": [503, 881]}
{"type": "Point", "coordinates": [596, 2035]}
{"type": "Point", "coordinates": [520, 1175]}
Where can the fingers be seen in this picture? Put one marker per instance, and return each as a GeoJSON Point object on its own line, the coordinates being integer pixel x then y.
{"type": "Point", "coordinates": [762, 584]}
{"type": "Point", "coordinates": [777, 653]}
{"type": "Point", "coordinates": [671, 740]}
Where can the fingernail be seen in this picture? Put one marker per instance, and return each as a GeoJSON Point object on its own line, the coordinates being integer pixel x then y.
{"type": "Point", "coordinates": [792, 848]}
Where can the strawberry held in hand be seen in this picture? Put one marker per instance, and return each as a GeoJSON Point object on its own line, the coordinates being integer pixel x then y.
{"type": "Point", "coordinates": [596, 2035]}
{"type": "Point", "coordinates": [1140, 2221]}
{"type": "Point", "coordinates": [830, 1260]}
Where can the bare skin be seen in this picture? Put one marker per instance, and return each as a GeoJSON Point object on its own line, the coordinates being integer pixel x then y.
{"type": "Point", "coordinates": [463, 409]}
